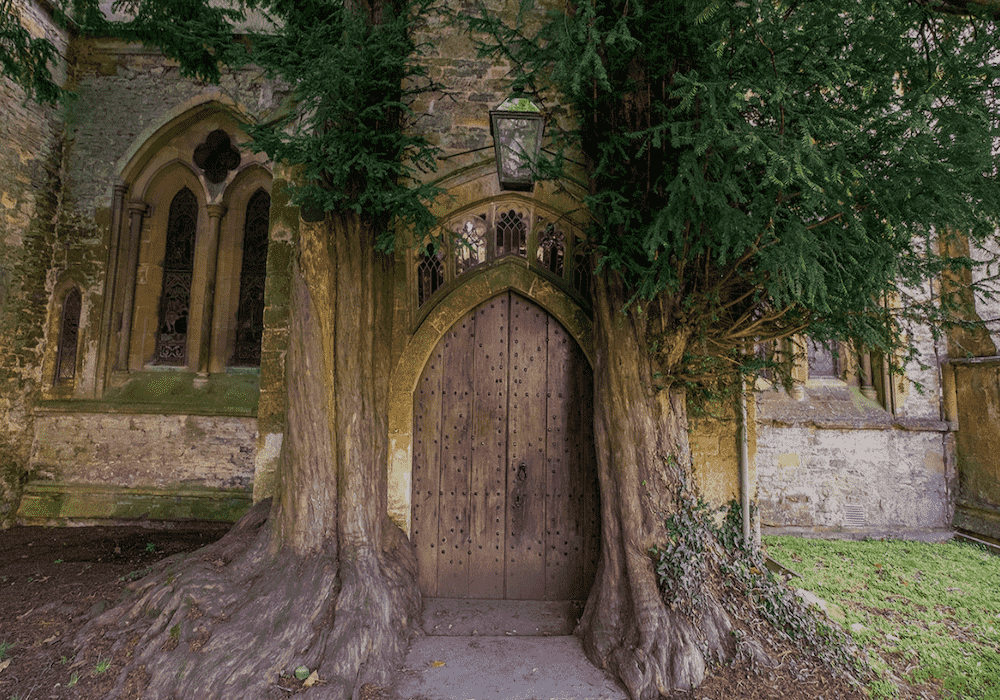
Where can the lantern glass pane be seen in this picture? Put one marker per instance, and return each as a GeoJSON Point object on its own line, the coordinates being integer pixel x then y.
{"type": "Point", "coordinates": [518, 138]}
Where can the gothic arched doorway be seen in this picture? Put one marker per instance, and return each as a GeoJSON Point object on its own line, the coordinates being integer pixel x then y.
{"type": "Point", "coordinates": [505, 494]}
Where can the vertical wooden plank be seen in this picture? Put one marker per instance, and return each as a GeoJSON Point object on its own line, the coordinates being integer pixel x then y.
{"type": "Point", "coordinates": [564, 531]}
{"type": "Point", "coordinates": [456, 442]}
{"type": "Point", "coordinates": [427, 471]}
{"type": "Point", "coordinates": [489, 448]}
{"type": "Point", "coordinates": [525, 573]}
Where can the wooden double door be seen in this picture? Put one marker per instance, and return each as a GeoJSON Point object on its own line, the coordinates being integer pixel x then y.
{"type": "Point", "coordinates": [505, 494]}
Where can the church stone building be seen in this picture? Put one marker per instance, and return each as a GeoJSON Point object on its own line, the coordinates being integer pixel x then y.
{"type": "Point", "coordinates": [144, 273]}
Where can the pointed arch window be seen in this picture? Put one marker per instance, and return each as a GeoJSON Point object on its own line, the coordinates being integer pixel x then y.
{"type": "Point", "coordinates": [511, 233]}
{"type": "Point", "coordinates": [505, 230]}
{"type": "Point", "coordinates": [551, 249]}
{"type": "Point", "coordinates": [69, 334]}
{"type": "Point", "coordinates": [253, 275]}
{"type": "Point", "coordinates": [430, 272]}
{"type": "Point", "coordinates": [178, 272]}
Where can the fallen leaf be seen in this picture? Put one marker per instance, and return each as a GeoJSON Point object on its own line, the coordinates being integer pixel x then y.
{"type": "Point", "coordinates": [4, 664]}
{"type": "Point", "coordinates": [312, 680]}
{"type": "Point", "coordinates": [51, 639]}
{"type": "Point", "coordinates": [437, 664]}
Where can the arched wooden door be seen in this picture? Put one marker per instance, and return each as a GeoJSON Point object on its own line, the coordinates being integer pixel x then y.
{"type": "Point", "coordinates": [505, 495]}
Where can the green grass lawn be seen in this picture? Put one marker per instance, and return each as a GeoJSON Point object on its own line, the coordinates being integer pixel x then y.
{"type": "Point", "coordinates": [930, 611]}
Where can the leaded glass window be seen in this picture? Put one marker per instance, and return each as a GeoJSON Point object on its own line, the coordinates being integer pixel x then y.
{"type": "Point", "coordinates": [430, 272]}
{"type": "Point", "coordinates": [69, 333]}
{"type": "Point", "coordinates": [581, 273]}
{"type": "Point", "coordinates": [824, 360]}
{"type": "Point", "coordinates": [178, 267]}
{"type": "Point", "coordinates": [511, 233]}
{"type": "Point", "coordinates": [551, 249]}
{"type": "Point", "coordinates": [253, 275]}
{"type": "Point", "coordinates": [470, 243]}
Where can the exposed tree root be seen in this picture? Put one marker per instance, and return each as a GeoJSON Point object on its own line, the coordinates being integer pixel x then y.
{"type": "Point", "coordinates": [228, 620]}
{"type": "Point", "coordinates": [650, 648]}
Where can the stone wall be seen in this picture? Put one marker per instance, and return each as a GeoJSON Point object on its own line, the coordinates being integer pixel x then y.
{"type": "Point", "coordinates": [837, 460]}
{"type": "Point", "coordinates": [108, 466]}
{"type": "Point", "coordinates": [31, 168]}
{"type": "Point", "coordinates": [840, 479]}
{"type": "Point", "coordinates": [161, 442]}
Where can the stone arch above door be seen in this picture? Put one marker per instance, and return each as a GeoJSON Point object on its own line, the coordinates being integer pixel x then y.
{"type": "Point", "coordinates": [417, 350]}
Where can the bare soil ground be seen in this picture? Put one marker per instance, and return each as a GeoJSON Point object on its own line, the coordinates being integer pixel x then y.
{"type": "Point", "coordinates": [52, 580]}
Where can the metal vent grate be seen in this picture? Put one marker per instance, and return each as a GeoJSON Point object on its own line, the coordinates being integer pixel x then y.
{"type": "Point", "coordinates": [854, 516]}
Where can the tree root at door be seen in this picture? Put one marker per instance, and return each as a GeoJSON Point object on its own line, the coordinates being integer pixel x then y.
{"type": "Point", "coordinates": [234, 620]}
{"type": "Point", "coordinates": [704, 597]}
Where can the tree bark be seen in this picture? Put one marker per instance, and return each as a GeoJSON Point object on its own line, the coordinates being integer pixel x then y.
{"type": "Point", "coordinates": [320, 578]}
{"type": "Point", "coordinates": [644, 467]}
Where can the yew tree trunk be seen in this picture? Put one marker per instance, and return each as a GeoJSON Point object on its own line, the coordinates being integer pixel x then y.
{"type": "Point", "coordinates": [320, 577]}
{"type": "Point", "coordinates": [644, 465]}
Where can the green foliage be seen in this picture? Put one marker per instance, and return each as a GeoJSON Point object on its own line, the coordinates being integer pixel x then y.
{"type": "Point", "coordinates": [701, 544]}
{"type": "Point", "coordinates": [933, 608]}
{"type": "Point", "coordinates": [769, 168]}
{"type": "Point", "coordinates": [29, 61]}
{"type": "Point", "coordinates": [353, 79]}
{"type": "Point", "coordinates": [5, 648]}
{"type": "Point", "coordinates": [681, 561]}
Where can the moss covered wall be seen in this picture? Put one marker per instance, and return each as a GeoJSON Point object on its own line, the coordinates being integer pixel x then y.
{"type": "Point", "coordinates": [31, 169]}
{"type": "Point", "coordinates": [66, 180]}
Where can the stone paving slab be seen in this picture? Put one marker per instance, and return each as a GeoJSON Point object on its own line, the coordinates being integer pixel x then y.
{"type": "Point", "coordinates": [502, 668]}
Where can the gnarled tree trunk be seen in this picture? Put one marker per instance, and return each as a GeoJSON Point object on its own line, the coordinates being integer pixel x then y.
{"type": "Point", "coordinates": [644, 463]}
{"type": "Point", "coordinates": [320, 578]}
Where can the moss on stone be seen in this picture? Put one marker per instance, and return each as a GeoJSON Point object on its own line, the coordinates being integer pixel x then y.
{"type": "Point", "coordinates": [235, 393]}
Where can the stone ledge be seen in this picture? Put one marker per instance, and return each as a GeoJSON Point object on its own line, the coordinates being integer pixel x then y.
{"type": "Point", "coordinates": [959, 361]}
{"type": "Point", "coordinates": [908, 424]}
{"type": "Point", "coordinates": [59, 503]}
{"type": "Point", "coordinates": [150, 409]}
{"type": "Point", "coordinates": [875, 532]}
{"type": "Point", "coordinates": [233, 393]}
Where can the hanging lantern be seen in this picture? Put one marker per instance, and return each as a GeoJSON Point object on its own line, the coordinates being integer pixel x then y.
{"type": "Point", "coordinates": [517, 126]}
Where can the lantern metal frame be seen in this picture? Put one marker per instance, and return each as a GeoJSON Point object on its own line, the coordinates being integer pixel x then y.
{"type": "Point", "coordinates": [514, 126]}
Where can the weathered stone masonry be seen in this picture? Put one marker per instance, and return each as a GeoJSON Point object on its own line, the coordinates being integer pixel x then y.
{"type": "Point", "coordinates": [84, 195]}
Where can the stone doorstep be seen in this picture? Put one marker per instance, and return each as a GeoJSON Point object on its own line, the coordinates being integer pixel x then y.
{"type": "Point", "coordinates": [467, 617]}
{"type": "Point", "coordinates": [59, 503]}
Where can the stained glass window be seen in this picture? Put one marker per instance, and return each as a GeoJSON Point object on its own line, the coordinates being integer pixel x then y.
{"type": "Point", "coordinates": [178, 265]}
{"type": "Point", "coordinates": [470, 243]}
{"type": "Point", "coordinates": [253, 274]}
{"type": "Point", "coordinates": [69, 333]}
{"type": "Point", "coordinates": [581, 273]}
{"type": "Point", "coordinates": [551, 249]}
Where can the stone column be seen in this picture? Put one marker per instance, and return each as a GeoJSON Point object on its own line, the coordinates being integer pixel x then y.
{"type": "Point", "coordinates": [215, 214]}
{"type": "Point", "coordinates": [136, 210]}
{"type": "Point", "coordinates": [867, 383]}
{"type": "Point", "coordinates": [112, 288]}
